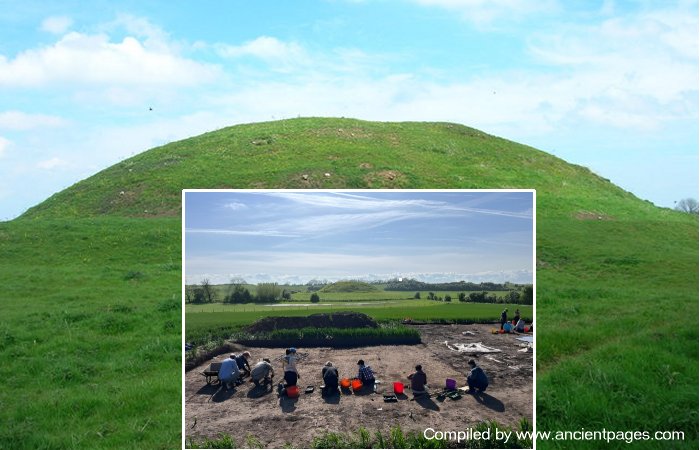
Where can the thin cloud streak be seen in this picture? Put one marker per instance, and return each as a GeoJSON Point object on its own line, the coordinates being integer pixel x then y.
{"type": "Point", "coordinates": [271, 233]}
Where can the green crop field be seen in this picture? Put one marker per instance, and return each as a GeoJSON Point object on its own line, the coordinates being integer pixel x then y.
{"type": "Point", "coordinates": [90, 326]}
{"type": "Point", "coordinates": [215, 321]}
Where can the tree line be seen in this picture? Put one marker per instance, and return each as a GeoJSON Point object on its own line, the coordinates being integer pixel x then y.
{"type": "Point", "coordinates": [523, 297]}
{"type": "Point", "coordinates": [409, 284]}
{"type": "Point", "coordinates": [237, 293]}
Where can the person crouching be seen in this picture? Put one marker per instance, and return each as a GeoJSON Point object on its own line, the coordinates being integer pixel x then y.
{"type": "Point", "coordinates": [477, 379]}
{"type": "Point", "coordinates": [329, 373]}
{"type": "Point", "coordinates": [262, 373]}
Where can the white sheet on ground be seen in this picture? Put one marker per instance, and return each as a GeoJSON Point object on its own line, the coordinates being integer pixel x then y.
{"type": "Point", "coordinates": [474, 347]}
{"type": "Point", "coordinates": [525, 338]}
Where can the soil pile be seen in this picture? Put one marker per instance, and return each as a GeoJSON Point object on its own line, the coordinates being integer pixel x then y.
{"type": "Point", "coordinates": [333, 320]}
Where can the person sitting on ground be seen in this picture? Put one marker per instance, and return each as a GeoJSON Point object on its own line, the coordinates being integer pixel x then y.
{"type": "Point", "coordinates": [228, 372]}
{"type": "Point", "coordinates": [330, 379]}
{"type": "Point", "coordinates": [504, 317]}
{"type": "Point", "coordinates": [476, 379]}
{"type": "Point", "coordinates": [243, 366]}
{"type": "Point", "coordinates": [418, 381]}
{"type": "Point", "coordinates": [532, 328]}
{"type": "Point", "coordinates": [289, 365]}
{"type": "Point", "coordinates": [365, 374]}
{"type": "Point", "coordinates": [262, 373]}
{"type": "Point", "coordinates": [520, 326]}
{"type": "Point", "coordinates": [507, 327]}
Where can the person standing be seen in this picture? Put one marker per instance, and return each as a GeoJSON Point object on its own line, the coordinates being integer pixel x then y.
{"type": "Point", "coordinates": [504, 317]}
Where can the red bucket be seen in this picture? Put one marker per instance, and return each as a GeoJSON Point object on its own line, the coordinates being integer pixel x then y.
{"type": "Point", "coordinates": [345, 383]}
{"type": "Point", "coordinates": [356, 384]}
{"type": "Point", "coordinates": [293, 391]}
{"type": "Point", "coordinates": [398, 388]}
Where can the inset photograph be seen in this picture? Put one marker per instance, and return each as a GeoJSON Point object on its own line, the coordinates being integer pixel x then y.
{"type": "Point", "coordinates": [328, 319]}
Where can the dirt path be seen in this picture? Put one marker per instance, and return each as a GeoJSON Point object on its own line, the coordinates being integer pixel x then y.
{"type": "Point", "coordinates": [279, 421]}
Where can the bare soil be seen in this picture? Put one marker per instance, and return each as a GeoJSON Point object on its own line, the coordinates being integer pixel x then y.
{"type": "Point", "coordinates": [277, 421]}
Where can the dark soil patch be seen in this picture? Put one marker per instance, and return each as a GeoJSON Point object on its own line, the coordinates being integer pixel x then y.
{"type": "Point", "coordinates": [334, 320]}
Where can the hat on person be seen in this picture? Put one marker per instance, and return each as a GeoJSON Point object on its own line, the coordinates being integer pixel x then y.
{"type": "Point", "coordinates": [233, 356]}
{"type": "Point", "coordinates": [292, 350]}
{"type": "Point", "coordinates": [329, 364]}
{"type": "Point", "coordinates": [472, 362]}
{"type": "Point", "coordinates": [246, 355]}
{"type": "Point", "coordinates": [361, 362]}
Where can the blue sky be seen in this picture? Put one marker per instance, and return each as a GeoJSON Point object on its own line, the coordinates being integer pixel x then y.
{"type": "Point", "coordinates": [295, 236]}
{"type": "Point", "coordinates": [612, 85]}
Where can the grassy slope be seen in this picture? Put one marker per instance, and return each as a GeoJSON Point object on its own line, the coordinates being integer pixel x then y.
{"type": "Point", "coordinates": [617, 296]}
{"type": "Point", "coordinates": [348, 286]}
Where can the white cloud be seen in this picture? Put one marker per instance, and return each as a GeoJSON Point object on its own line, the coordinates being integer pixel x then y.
{"type": "Point", "coordinates": [276, 53]}
{"type": "Point", "coordinates": [56, 24]}
{"type": "Point", "coordinates": [20, 121]}
{"type": "Point", "coordinates": [52, 163]}
{"type": "Point", "coordinates": [269, 233]}
{"type": "Point", "coordinates": [93, 59]}
{"type": "Point", "coordinates": [488, 12]}
{"type": "Point", "coordinates": [4, 145]}
{"type": "Point", "coordinates": [236, 206]}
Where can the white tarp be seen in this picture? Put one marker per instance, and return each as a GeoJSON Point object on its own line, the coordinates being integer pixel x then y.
{"type": "Point", "coordinates": [474, 347]}
{"type": "Point", "coordinates": [525, 339]}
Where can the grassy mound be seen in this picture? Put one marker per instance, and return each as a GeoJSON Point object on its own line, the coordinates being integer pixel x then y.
{"type": "Point", "coordinates": [91, 279]}
{"type": "Point", "coordinates": [349, 286]}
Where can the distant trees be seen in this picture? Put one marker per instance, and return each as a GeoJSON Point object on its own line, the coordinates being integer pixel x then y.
{"type": "Point", "coordinates": [417, 296]}
{"type": "Point", "coordinates": [688, 205]}
{"type": "Point", "coordinates": [200, 293]}
{"type": "Point", "coordinates": [512, 297]}
{"type": "Point", "coordinates": [239, 294]}
{"type": "Point", "coordinates": [265, 293]}
{"type": "Point", "coordinates": [315, 298]}
{"type": "Point", "coordinates": [462, 297]}
{"type": "Point", "coordinates": [448, 298]}
{"type": "Point", "coordinates": [268, 292]}
{"type": "Point", "coordinates": [526, 297]}
{"type": "Point", "coordinates": [208, 291]}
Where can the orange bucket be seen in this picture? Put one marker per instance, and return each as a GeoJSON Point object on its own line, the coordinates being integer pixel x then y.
{"type": "Point", "coordinates": [356, 384]}
{"type": "Point", "coordinates": [293, 391]}
{"type": "Point", "coordinates": [398, 387]}
{"type": "Point", "coordinates": [345, 383]}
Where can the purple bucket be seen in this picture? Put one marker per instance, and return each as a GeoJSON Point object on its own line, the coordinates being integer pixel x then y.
{"type": "Point", "coordinates": [450, 384]}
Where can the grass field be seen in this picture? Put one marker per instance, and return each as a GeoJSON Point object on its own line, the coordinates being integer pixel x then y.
{"type": "Point", "coordinates": [91, 280]}
{"type": "Point", "coordinates": [217, 321]}
{"type": "Point", "coordinates": [90, 336]}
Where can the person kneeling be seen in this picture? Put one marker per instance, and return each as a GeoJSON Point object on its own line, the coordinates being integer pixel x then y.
{"type": "Point", "coordinates": [262, 373]}
{"type": "Point", "coordinates": [418, 381]}
{"type": "Point", "coordinates": [477, 379]}
{"type": "Point", "coordinates": [228, 372]}
{"type": "Point", "coordinates": [330, 379]}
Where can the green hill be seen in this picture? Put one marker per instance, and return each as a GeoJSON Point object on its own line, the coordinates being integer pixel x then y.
{"type": "Point", "coordinates": [349, 286]}
{"type": "Point", "coordinates": [90, 330]}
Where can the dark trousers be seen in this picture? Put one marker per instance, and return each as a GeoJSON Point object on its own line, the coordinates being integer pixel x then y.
{"type": "Point", "coordinates": [291, 378]}
{"type": "Point", "coordinates": [479, 386]}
